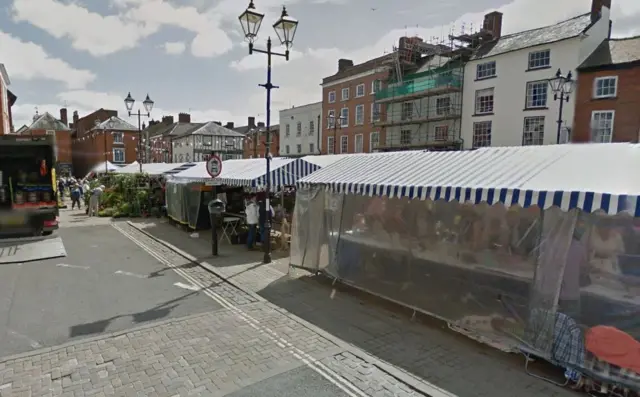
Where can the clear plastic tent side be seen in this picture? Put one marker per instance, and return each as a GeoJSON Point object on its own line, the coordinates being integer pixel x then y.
{"type": "Point", "coordinates": [544, 281]}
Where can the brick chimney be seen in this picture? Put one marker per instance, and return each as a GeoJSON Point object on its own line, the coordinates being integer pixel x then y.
{"type": "Point", "coordinates": [493, 23]}
{"type": "Point", "coordinates": [75, 118]}
{"type": "Point", "coordinates": [63, 116]}
{"type": "Point", "coordinates": [260, 124]}
{"type": "Point", "coordinates": [218, 123]}
{"type": "Point", "coordinates": [167, 119]}
{"type": "Point", "coordinates": [229, 125]}
{"type": "Point", "coordinates": [251, 122]}
{"type": "Point", "coordinates": [344, 64]}
{"type": "Point", "coordinates": [184, 118]}
{"type": "Point", "coordinates": [596, 8]}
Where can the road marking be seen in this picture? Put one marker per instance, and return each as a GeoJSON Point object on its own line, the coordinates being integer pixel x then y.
{"type": "Point", "coordinates": [338, 380]}
{"type": "Point", "coordinates": [187, 286]}
{"type": "Point", "coordinates": [131, 274]}
{"type": "Point", "coordinates": [72, 266]}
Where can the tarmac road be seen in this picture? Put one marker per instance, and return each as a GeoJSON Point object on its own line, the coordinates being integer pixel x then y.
{"type": "Point", "coordinates": [106, 283]}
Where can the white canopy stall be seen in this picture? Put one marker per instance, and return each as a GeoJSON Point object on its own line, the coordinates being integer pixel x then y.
{"type": "Point", "coordinates": [486, 239]}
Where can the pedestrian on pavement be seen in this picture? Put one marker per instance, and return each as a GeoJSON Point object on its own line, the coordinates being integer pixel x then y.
{"type": "Point", "coordinates": [76, 194]}
{"type": "Point", "coordinates": [251, 211]}
{"type": "Point", "coordinates": [61, 188]}
{"type": "Point", "coordinates": [94, 200]}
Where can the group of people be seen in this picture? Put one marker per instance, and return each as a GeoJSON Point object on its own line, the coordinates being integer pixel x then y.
{"type": "Point", "coordinates": [77, 189]}
{"type": "Point", "coordinates": [257, 216]}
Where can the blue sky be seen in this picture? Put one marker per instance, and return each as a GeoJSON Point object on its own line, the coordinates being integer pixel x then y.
{"type": "Point", "coordinates": [189, 55]}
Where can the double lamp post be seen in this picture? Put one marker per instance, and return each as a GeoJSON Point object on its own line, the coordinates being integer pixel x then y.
{"type": "Point", "coordinates": [562, 86]}
{"type": "Point", "coordinates": [285, 28]}
{"type": "Point", "coordinates": [148, 106]}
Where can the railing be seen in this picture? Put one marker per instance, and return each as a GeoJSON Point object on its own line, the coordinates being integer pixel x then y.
{"type": "Point", "coordinates": [414, 87]}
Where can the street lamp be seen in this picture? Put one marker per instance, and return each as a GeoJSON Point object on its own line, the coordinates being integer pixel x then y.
{"type": "Point", "coordinates": [148, 106]}
{"type": "Point", "coordinates": [337, 123]}
{"type": "Point", "coordinates": [285, 28]}
{"type": "Point", "coordinates": [562, 86]}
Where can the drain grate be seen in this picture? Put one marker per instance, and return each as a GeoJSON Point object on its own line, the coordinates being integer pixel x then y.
{"type": "Point", "coordinates": [6, 252]}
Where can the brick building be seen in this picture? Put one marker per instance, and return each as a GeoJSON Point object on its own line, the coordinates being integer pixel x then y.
{"type": "Point", "coordinates": [162, 133]}
{"type": "Point", "coordinates": [46, 124]}
{"type": "Point", "coordinates": [348, 97]}
{"type": "Point", "coordinates": [255, 142]}
{"type": "Point", "coordinates": [608, 93]}
{"type": "Point", "coordinates": [100, 136]}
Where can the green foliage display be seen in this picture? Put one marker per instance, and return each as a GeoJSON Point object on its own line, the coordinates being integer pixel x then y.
{"type": "Point", "coordinates": [125, 196]}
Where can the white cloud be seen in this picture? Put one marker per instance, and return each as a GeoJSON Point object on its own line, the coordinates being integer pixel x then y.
{"type": "Point", "coordinates": [29, 61]}
{"type": "Point", "coordinates": [174, 47]}
{"type": "Point", "coordinates": [299, 78]}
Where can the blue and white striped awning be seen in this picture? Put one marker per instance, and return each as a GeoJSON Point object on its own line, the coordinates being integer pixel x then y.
{"type": "Point", "coordinates": [154, 169]}
{"type": "Point", "coordinates": [251, 172]}
{"type": "Point", "coordinates": [590, 177]}
{"type": "Point", "coordinates": [179, 168]}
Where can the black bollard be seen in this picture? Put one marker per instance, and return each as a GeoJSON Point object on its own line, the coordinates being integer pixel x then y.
{"type": "Point", "coordinates": [214, 234]}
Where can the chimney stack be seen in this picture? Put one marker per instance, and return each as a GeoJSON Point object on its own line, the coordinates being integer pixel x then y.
{"type": "Point", "coordinates": [167, 120]}
{"type": "Point", "coordinates": [63, 116]}
{"type": "Point", "coordinates": [184, 118]}
{"type": "Point", "coordinates": [493, 23]}
{"type": "Point", "coordinates": [260, 124]}
{"type": "Point", "coordinates": [75, 118]}
{"type": "Point", "coordinates": [344, 64]}
{"type": "Point", "coordinates": [229, 125]}
{"type": "Point", "coordinates": [217, 123]}
{"type": "Point", "coordinates": [251, 122]}
{"type": "Point", "coordinates": [596, 8]}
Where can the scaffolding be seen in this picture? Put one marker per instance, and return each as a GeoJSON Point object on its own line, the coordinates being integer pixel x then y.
{"type": "Point", "coordinates": [419, 105]}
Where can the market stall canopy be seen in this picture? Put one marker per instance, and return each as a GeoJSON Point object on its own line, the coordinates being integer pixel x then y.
{"type": "Point", "coordinates": [252, 172]}
{"type": "Point", "coordinates": [590, 177]}
{"type": "Point", "coordinates": [154, 169]}
{"type": "Point", "coordinates": [101, 168]}
{"type": "Point", "coordinates": [327, 159]}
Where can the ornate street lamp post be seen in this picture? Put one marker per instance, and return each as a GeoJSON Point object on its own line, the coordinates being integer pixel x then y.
{"type": "Point", "coordinates": [148, 106]}
{"type": "Point", "coordinates": [562, 86]}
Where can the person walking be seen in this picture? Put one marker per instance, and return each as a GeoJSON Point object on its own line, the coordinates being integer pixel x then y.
{"type": "Point", "coordinates": [76, 193]}
{"type": "Point", "coordinates": [251, 211]}
{"type": "Point", "coordinates": [94, 200]}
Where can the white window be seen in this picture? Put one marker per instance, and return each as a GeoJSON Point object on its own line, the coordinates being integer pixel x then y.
{"type": "Point", "coordinates": [311, 147]}
{"type": "Point", "coordinates": [359, 114]}
{"type": "Point", "coordinates": [482, 134]}
{"type": "Point", "coordinates": [298, 128]}
{"type": "Point", "coordinates": [359, 90]}
{"type": "Point", "coordinates": [50, 132]}
{"type": "Point", "coordinates": [345, 94]}
{"type": "Point", "coordinates": [287, 130]}
{"type": "Point", "coordinates": [533, 132]}
{"type": "Point", "coordinates": [443, 104]}
{"type": "Point", "coordinates": [441, 132]}
{"type": "Point", "coordinates": [539, 59]}
{"type": "Point", "coordinates": [407, 111]}
{"type": "Point", "coordinates": [484, 101]}
{"type": "Point", "coordinates": [332, 97]}
{"type": "Point", "coordinates": [405, 137]}
{"type": "Point", "coordinates": [287, 149]}
{"type": "Point", "coordinates": [344, 117]}
{"type": "Point", "coordinates": [312, 127]}
{"type": "Point", "coordinates": [118, 137]}
{"type": "Point", "coordinates": [375, 86]}
{"type": "Point", "coordinates": [331, 119]}
{"type": "Point", "coordinates": [299, 148]}
{"type": "Point", "coordinates": [359, 147]}
{"type": "Point", "coordinates": [344, 144]}
{"type": "Point", "coordinates": [602, 126]}
{"type": "Point", "coordinates": [536, 94]}
{"type": "Point", "coordinates": [374, 141]}
{"type": "Point", "coordinates": [485, 70]}
{"type": "Point", "coordinates": [331, 145]}
{"type": "Point", "coordinates": [375, 112]}
{"type": "Point", "coordinates": [605, 87]}
{"type": "Point", "coordinates": [118, 156]}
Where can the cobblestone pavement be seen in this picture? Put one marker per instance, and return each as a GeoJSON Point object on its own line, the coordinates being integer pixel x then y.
{"type": "Point", "coordinates": [211, 354]}
{"type": "Point", "coordinates": [439, 356]}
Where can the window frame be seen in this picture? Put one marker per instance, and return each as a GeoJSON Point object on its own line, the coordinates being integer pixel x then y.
{"type": "Point", "coordinates": [605, 96]}
{"type": "Point", "coordinates": [402, 136]}
{"type": "Point", "coordinates": [312, 127]}
{"type": "Point", "coordinates": [371, 140]}
{"type": "Point", "coordinates": [404, 115]}
{"type": "Point", "coordinates": [361, 121]}
{"type": "Point", "coordinates": [311, 147]}
{"type": "Point", "coordinates": [287, 149]}
{"type": "Point", "coordinates": [531, 58]}
{"type": "Point", "coordinates": [344, 97]}
{"type": "Point", "coordinates": [355, 143]}
{"type": "Point", "coordinates": [443, 110]}
{"type": "Point", "coordinates": [373, 86]}
{"type": "Point", "coordinates": [613, 120]}
{"type": "Point", "coordinates": [477, 96]}
{"type": "Point", "coordinates": [331, 115]}
{"type": "Point", "coordinates": [545, 84]}
{"type": "Point", "coordinates": [364, 91]}
{"type": "Point", "coordinates": [475, 138]}
{"type": "Point", "coordinates": [299, 148]}
{"type": "Point", "coordinates": [441, 127]}
{"type": "Point", "coordinates": [344, 120]}
{"type": "Point", "coordinates": [329, 95]}
{"type": "Point", "coordinates": [331, 145]}
{"type": "Point", "coordinates": [373, 112]}
{"type": "Point", "coordinates": [287, 130]}
{"type": "Point", "coordinates": [299, 128]}
{"type": "Point", "coordinates": [532, 141]}
{"type": "Point", "coordinates": [119, 134]}
{"type": "Point", "coordinates": [119, 150]}
{"type": "Point", "coordinates": [344, 141]}
{"type": "Point", "coordinates": [483, 67]}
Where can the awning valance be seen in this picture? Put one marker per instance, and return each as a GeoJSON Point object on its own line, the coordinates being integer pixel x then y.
{"type": "Point", "coordinates": [154, 169]}
{"type": "Point", "coordinates": [587, 176]}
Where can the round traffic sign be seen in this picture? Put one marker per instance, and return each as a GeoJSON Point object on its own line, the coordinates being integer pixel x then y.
{"type": "Point", "coordinates": [214, 166]}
